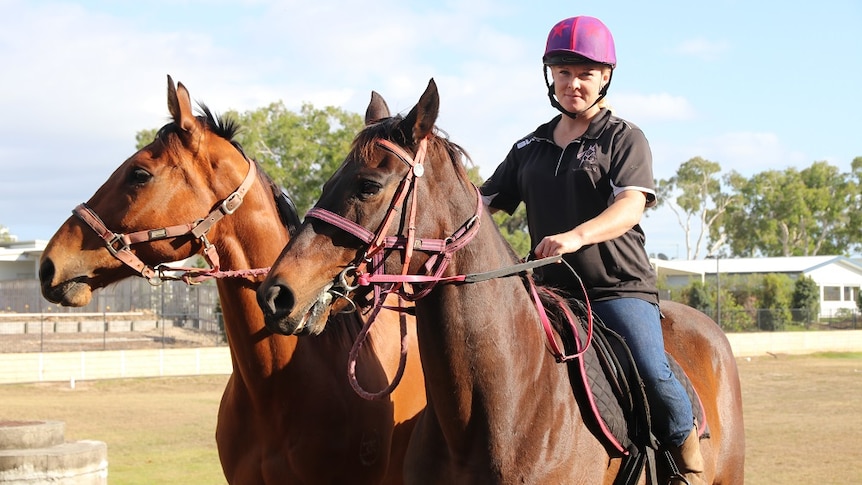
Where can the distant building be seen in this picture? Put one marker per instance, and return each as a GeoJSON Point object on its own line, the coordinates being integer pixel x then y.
{"type": "Point", "coordinates": [19, 260]}
{"type": "Point", "coordinates": [839, 278]}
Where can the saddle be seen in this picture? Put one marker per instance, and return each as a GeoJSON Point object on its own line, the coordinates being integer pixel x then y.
{"type": "Point", "coordinates": [611, 393]}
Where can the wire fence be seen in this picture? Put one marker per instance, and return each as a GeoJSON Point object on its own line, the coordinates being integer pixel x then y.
{"type": "Point", "coordinates": [131, 314]}
{"type": "Point", "coordinates": [784, 319]}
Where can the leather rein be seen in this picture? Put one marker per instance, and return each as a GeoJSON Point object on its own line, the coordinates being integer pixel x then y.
{"type": "Point", "coordinates": [370, 271]}
{"type": "Point", "coordinates": [120, 244]}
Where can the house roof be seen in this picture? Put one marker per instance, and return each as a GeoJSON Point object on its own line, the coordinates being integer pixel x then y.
{"type": "Point", "coordinates": [21, 250]}
{"type": "Point", "coordinates": [792, 264]}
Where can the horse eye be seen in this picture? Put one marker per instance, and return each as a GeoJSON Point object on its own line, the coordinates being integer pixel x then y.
{"type": "Point", "coordinates": [139, 176]}
{"type": "Point", "coordinates": [367, 188]}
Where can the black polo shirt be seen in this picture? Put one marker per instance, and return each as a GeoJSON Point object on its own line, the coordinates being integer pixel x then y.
{"type": "Point", "coordinates": [563, 188]}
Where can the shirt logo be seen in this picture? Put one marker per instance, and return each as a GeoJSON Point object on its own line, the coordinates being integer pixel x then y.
{"type": "Point", "coordinates": [524, 142]}
{"type": "Point", "coordinates": [587, 156]}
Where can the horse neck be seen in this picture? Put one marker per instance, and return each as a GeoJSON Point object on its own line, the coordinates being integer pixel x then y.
{"type": "Point", "coordinates": [483, 350]}
{"type": "Point", "coordinates": [251, 238]}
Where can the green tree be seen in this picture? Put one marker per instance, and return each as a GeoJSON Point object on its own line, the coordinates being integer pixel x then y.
{"type": "Point", "coordinates": [794, 213]}
{"type": "Point", "coordinates": [829, 196]}
{"type": "Point", "coordinates": [5, 235]}
{"type": "Point", "coordinates": [514, 229]}
{"type": "Point", "coordinates": [854, 206]}
{"type": "Point", "coordinates": [773, 298]}
{"type": "Point", "coordinates": [699, 295]}
{"type": "Point", "coordinates": [299, 150]}
{"type": "Point", "coordinates": [806, 297]}
{"type": "Point", "coordinates": [734, 318]}
{"type": "Point", "coordinates": [695, 196]}
{"type": "Point", "coordinates": [145, 137]}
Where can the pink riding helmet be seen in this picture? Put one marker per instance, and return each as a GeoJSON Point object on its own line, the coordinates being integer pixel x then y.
{"type": "Point", "coordinates": [576, 39]}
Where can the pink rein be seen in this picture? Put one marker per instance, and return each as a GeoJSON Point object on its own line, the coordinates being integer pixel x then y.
{"type": "Point", "coordinates": [440, 250]}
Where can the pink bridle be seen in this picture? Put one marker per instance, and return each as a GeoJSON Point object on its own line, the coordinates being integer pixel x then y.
{"type": "Point", "coordinates": [440, 254]}
{"type": "Point", "coordinates": [440, 250]}
{"type": "Point", "coordinates": [119, 244]}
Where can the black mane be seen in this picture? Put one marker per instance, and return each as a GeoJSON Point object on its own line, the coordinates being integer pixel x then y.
{"type": "Point", "coordinates": [226, 128]}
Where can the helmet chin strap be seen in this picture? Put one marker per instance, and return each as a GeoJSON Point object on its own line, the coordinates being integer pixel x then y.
{"type": "Point", "coordinates": [556, 104]}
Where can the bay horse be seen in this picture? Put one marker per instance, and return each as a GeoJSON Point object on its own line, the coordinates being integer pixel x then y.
{"type": "Point", "coordinates": [401, 212]}
{"type": "Point", "coordinates": [288, 413]}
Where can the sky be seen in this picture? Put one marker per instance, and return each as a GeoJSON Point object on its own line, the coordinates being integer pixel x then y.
{"type": "Point", "coordinates": [752, 85]}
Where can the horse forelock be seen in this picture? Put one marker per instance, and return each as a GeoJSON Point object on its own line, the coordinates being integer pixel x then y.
{"type": "Point", "coordinates": [363, 146]}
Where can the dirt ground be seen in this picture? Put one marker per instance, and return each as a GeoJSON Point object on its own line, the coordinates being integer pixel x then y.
{"type": "Point", "coordinates": [802, 420]}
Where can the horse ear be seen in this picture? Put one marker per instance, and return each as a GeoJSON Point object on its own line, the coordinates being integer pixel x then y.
{"type": "Point", "coordinates": [180, 106]}
{"type": "Point", "coordinates": [377, 109]}
{"type": "Point", "coordinates": [420, 121]}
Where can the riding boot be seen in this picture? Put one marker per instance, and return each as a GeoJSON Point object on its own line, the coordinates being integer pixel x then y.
{"type": "Point", "coordinates": [689, 460]}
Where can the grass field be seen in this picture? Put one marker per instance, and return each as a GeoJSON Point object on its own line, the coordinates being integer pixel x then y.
{"type": "Point", "coordinates": [802, 419]}
{"type": "Point", "coordinates": [158, 431]}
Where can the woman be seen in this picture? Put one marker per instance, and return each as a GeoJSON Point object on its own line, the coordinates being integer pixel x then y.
{"type": "Point", "coordinates": [585, 178]}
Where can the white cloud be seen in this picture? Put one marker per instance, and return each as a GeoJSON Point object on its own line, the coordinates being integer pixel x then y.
{"type": "Point", "coordinates": [745, 152]}
{"type": "Point", "coordinates": [703, 49]}
{"type": "Point", "coordinates": [751, 152]}
{"type": "Point", "coordinates": [652, 107]}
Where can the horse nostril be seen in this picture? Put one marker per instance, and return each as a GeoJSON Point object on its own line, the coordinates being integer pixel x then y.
{"type": "Point", "coordinates": [277, 299]}
{"type": "Point", "coordinates": [46, 272]}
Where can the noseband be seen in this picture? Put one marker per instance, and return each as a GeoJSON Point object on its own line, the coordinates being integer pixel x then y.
{"type": "Point", "coordinates": [119, 244]}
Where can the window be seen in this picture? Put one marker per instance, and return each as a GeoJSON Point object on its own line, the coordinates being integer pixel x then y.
{"type": "Point", "coordinates": [831, 293]}
{"type": "Point", "coordinates": [850, 293]}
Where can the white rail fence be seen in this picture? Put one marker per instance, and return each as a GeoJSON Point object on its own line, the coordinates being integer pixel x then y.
{"type": "Point", "coordinates": [112, 364]}
{"type": "Point", "coordinates": [115, 364]}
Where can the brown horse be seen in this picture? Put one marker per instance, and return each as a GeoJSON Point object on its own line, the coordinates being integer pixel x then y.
{"type": "Point", "coordinates": [288, 413]}
{"type": "Point", "coordinates": [401, 212]}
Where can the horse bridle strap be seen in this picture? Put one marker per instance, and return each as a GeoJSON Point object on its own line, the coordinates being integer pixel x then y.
{"type": "Point", "coordinates": [119, 244]}
{"type": "Point", "coordinates": [440, 250]}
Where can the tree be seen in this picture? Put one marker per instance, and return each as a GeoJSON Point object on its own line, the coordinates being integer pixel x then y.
{"type": "Point", "coordinates": [300, 151]}
{"type": "Point", "coordinates": [695, 194]}
{"type": "Point", "coordinates": [145, 137]}
{"type": "Point", "coordinates": [5, 235]}
{"type": "Point", "coordinates": [698, 295]}
{"type": "Point", "coordinates": [514, 229]}
{"type": "Point", "coordinates": [828, 195]}
{"type": "Point", "coordinates": [806, 296]}
{"type": "Point", "coordinates": [794, 213]}
{"type": "Point", "coordinates": [773, 298]}
{"type": "Point", "coordinates": [854, 205]}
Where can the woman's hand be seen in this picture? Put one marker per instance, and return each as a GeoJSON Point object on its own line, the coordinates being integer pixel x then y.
{"type": "Point", "coordinates": [558, 245]}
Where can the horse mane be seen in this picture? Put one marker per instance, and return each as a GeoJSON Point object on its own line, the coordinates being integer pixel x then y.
{"type": "Point", "coordinates": [560, 306]}
{"type": "Point", "coordinates": [387, 129]}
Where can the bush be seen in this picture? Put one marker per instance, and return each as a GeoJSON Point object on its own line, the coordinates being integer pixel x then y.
{"type": "Point", "coordinates": [806, 296]}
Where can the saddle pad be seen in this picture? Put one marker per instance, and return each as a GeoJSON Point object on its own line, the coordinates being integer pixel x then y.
{"type": "Point", "coordinates": [611, 393]}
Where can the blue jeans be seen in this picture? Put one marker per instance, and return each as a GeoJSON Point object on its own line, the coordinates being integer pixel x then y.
{"type": "Point", "coordinates": [639, 323]}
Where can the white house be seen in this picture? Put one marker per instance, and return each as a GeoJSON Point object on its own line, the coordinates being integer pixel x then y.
{"type": "Point", "coordinates": [19, 260]}
{"type": "Point", "coordinates": [839, 278]}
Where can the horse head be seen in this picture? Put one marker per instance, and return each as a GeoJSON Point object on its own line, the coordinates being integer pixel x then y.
{"type": "Point", "coordinates": [161, 205]}
{"type": "Point", "coordinates": [372, 216]}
